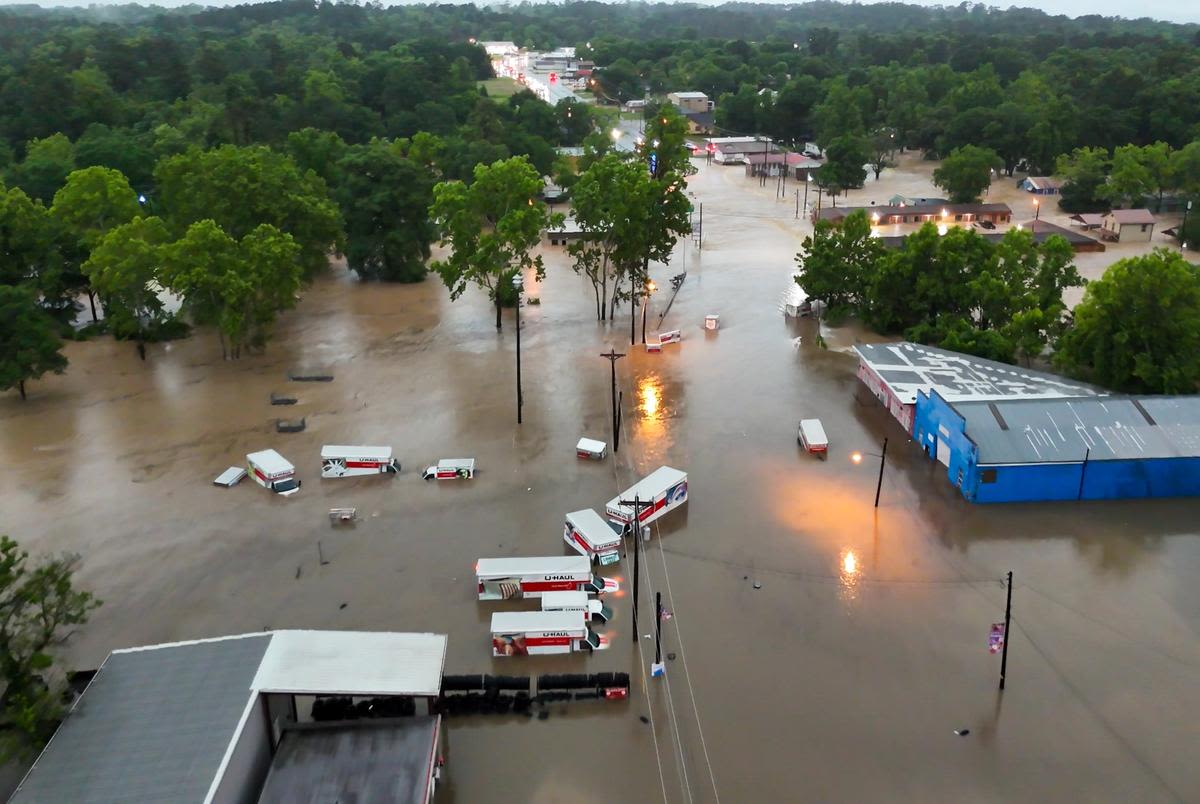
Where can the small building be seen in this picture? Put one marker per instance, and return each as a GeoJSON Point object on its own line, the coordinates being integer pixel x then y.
{"type": "Point", "coordinates": [731, 150]}
{"type": "Point", "coordinates": [1128, 226]}
{"type": "Point", "coordinates": [700, 122]}
{"type": "Point", "coordinates": [690, 101]}
{"type": "Point", "coordinates": [1088, 220]}
{"type": "Point", "coordinates": [234, 719]}
{"type": "Point", "coordinates": [564, 234]}
{"type": "Point", "coordinates": [920, 213]}
{"type": "Point", "coordinates": [1041, 185]}
{"type": "Point", "coordinates": [896, 373]}
{"type": "Point", "coordinates": [1027, 450]}
{"type": "Point", "coordinates": [797, 165]}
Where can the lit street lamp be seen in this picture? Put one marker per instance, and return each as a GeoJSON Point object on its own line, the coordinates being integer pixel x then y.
{"type": "Point", "coordinates": [616, 135]}
{"type": "Point", "coordinates": [650, 288]}
{"type": "Point", "coordinates": [519, 283]}
{"type": "Point", "coordinates": [882, 455]}
{"type": "Point", "coordinates": [1037, 209]}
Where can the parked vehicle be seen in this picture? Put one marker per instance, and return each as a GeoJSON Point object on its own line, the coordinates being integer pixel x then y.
{"type": "Point", "coordinates": [272, 471]}
{"type": "Point", "coordinates": [665, 489]}
{"type": "Point", "coordinates": [533, 633]}
{"type": "Point", "coordinates": [590, 535]}
{"type": "Point", "coordinates": [508, 578]}
{"type": "Point", "coordinates": [451, 469]}
{"type": "Point", "coordinates": [811, 436]}
{"type": "Point", "coordinates": [351, 461]}
{"type": "Point", "coordinates": [592, 608]}
{"type": "Point", "coordinates": [591, 448]}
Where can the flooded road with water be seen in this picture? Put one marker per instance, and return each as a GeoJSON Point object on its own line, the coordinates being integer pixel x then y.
{"type": "Point", "coordinates": [824, 650]}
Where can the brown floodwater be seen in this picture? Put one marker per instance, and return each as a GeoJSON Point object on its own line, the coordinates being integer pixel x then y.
{"type": "Point", "coordinates": [824, 650]}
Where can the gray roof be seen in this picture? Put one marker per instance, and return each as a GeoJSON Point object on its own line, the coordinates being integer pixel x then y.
{"type": "Point", "coordinates": [928, 209]}
{"type": "Point", "coordinates": [385, 761]}
{"type": "Point", "coordinates": [909, 367]}
{"type": "Point", "coordinates": [153, 725]}
{"type": "Point", "coordinates": [1067, 430]}
{"type": "Point", "coordinates": [1131, 216]}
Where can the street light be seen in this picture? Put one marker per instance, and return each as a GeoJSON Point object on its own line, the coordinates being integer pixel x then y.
{"type": "Point", "coordinates": [518, 284]}
{"type": "Point", "coordinates": [650, 288]}
{"type": "Point", "coordinates": [1037, 209]}
{"type": "Point", "coordinates": [616, 134]}
{"type": "Point", "coordinates": [857, 457]}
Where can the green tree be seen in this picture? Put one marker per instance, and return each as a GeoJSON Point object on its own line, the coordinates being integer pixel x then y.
{"type": "Point", "coordinates": [26, 238]}
{"type": "Point", "coordinates": [124, 269]}
{"type": "Point", "coordinates": [881, 148]}
{"type": "Point", "coordinates": [29, 341]}
{"type": "Point", "coordinates": [92, 201]}
{"type": "Point", "coordinates": [242, 188]}
{"type": "Point", "coordinates": [1130, 179]}
{"type": "Point", "coordinates": [318, 151]}
{"type": "Point", "coordinates": [45, 167]}
{"type": "Point", "coordinates": [240, 287]}
{"type": "Point", "coordinates": [838, 262]}
{"type": "Point", "coordinates": [37, 604]}
{"type": "Point", "coordinates": [1138, 327]}
{"type": "Point", "coordinates": [967, 172]}
{"type": "Point", "coordinates": [491, 227]}
{"type": "Point", "coordinates": [385, 199]}
{"type": "Point", "coordinates": [844, 165]}
{"type": "Point", "coordinates": [1084, 172]}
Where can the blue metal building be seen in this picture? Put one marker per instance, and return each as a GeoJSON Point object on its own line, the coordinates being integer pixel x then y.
{"type": "Point", "coordinates": [1090, 448]}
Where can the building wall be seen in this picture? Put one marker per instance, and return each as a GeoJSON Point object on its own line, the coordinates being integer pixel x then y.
{"type": "Point", "coordinates": [900, 411]}
{"type": "Point", "coordinates": [1136, 232]}
{"type": "Point", "coordinates": [249, 763]}
{"type": "Point", "coordinates": [689, 104]}
{"type": "Point", "coordinates": [941, 433]}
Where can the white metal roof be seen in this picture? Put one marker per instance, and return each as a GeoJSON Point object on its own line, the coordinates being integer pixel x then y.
{"type": "Point", "coordinates": [533, 565]}
{"type": "Point", "coordinates": [270, 461]}
{"type": "Point", "coordinates": [652, 485]}
{"type": "Point", "coordinates": [690, 95]}
{"type": "Point", "coordinates": [343, 451]}
{"type": "Point", "coordinates": [454, 463]}
{"type": "Point", "coordinates": [352, 663]}
{"type": "Point", "coordinates": [591, 445]}
{"type": "Point", "coordinates": [594, 527]}
{"type": "Point", "coordinates": [504, 622]}
{"type": "Point", "coordinates": [814, 433]}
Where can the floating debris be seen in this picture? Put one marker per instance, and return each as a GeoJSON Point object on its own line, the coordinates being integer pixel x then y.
{"type": "Point", "coordinates": [289, 425]}
{"type": "Point", "coordinates": [282, 399]}
{"type": "Point", "coordinates": [296, 377]}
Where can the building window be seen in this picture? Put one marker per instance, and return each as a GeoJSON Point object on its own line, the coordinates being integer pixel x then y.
{"type": "Point", "coordinates": [987, 476]}
{"type": "Point", "coordinates": [1143, 227]}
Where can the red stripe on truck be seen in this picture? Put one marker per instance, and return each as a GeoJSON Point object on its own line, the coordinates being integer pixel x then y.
{"type": "Point", "coordinates": [543, 642]}
{"type": "Point", "coordinates": [363, 464]}
{"type": "Point", "coordinates": [551, 586]}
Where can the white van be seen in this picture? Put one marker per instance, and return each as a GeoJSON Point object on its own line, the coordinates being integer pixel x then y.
{"type": "Point", "coordinates": [272, 471]}
{"type": "Point", "coordinates": [451, 469]}
{"type": "Point", "coordinates": [811, 436]}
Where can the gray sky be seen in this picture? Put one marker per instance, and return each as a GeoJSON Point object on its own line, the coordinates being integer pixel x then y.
{"type": "Point", "coordinates": [1173, 10]}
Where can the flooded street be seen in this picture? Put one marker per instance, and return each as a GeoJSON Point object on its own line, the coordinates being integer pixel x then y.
{"type": "Point", "coordinates": [824, 650]}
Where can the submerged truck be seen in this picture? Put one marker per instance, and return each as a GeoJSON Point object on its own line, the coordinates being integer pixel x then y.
{"type": "Point", "coordinates": [589, 534]}
{"type": "Point", "coordinates": [350, 461]}
{"type": "Point", "coordinates": [272, 471]}
{"type": "Point", "coordinates": [592, 608]}
{"type": "Point", "coordinates": [533, 633]}
{"type": "Point", "coordinates": [660, 492]}
{"type": "Point", "coordinates": [509, 578]}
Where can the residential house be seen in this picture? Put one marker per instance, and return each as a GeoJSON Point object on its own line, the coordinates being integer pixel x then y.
{"type": "Point", "coordinates": [1041, 185]}
{"type": "Point", "coordinates": [690, 101]}
{"type": "Point", "coordinates": [1128, 226]}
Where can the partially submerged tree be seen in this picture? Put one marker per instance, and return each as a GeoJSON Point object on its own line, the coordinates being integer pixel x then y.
{"type": "Point", "coordinates": [967, 172]}
{"type": "Point", "coordinates": [30, 344]}
{"type": "Point", "coordinates": [38, 604]}
{"type": "Point", "coordinates": [124, 269]}
{"type": "Point", "coordinates": [836, 262]}
{"type": "Point", "coordinates": [491, 227]}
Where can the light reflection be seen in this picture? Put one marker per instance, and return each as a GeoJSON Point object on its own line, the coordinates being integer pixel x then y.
{"type": "Point", "coordinates": [848, 576]}
{"type": "Point", "coordinates": [650, 395]}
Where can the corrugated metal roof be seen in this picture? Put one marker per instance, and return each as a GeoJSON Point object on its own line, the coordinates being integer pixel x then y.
{"type": "Point", "coordinates": [1067, 430]}
{"type": "Point", "coordinates": [352, 663]}
{"type": "Point", "coordinates": [911, 367]}
{"type": "Point", "coordinates": [153, 725]}
{"type": "Point", "coordinates": [1131, 216]}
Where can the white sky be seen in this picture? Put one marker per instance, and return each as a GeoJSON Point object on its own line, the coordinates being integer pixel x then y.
{"type": "Point", "coordinates": [1173, 10]}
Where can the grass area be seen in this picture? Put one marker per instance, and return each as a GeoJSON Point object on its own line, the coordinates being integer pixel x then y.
{"type": "Point", "coordinates": [500, 88]}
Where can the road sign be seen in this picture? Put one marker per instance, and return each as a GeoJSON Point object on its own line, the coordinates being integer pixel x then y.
{"type": "Point", "coordinates": [996, 638]}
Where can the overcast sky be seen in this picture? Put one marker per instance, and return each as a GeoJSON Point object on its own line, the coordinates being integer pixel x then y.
{"type": "Point", "coordinates": [1173, 10]}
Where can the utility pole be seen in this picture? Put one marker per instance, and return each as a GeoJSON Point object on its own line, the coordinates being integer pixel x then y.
{"type": "Point", "coordinates": [1007, 632]}
{"type": "Point", "coordinates": [613, 356]}
{"type": "Point", "coordinates": [798, 203]}
{"type": "Point", "coordinates": [658, 613]}
{"type": "Point", "coordinates": [635, 530]}
{"type": "Point", "coordinates": [882, 460]}
{"type": "Point", "coordinates": [517, 284]}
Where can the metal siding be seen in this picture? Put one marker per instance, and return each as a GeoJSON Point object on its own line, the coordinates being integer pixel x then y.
{"type": "Point", "coordinates": [1031, 483]}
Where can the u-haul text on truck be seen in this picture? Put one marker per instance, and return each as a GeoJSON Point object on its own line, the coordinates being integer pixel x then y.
{"type": "Point", "coordinates": [593, 608]}
{"type": "Point", "coordinates": [271, 470]}
{"type": "Point", "coordinates": [508, 578]}
{"type": "Point", "coordinates": [532, 633]}
{"type": "Point", "coordinates": [660, 492]}
{"type": "Point", "coordinates": [588, 533]}
{"type": "Point", "coordinates": [350, 461]}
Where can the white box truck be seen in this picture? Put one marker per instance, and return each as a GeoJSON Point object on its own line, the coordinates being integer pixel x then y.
{"type": "Point", "coordinates": [451, 469]}
{"type": "Point", "coordinates": [811, 436]}
{"type": "Point", "coordinates": [664, 489]}
{"type": "Point", "coordinates": [533, 633]}
{"type": "Point", "coordinates": [271, 470]}
{"type": "Point", "coordinates": [508, 578]}
{"type": "Point", "coordinates": [592, 608]}
{"type": "Point", "coordinates": [589, 534]}
{"type": "Point", "coordinates": [351, 461]}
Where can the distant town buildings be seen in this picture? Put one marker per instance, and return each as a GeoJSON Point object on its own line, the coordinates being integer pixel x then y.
{"type": "Point", "coordinates": [921, 213]}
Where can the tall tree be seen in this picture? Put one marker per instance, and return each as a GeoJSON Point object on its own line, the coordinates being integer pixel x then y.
{"type": "Point", "coordinates": [45, 167]}
{"type": "Point", "coordinates": [29, 342]}
{"type": "Point", "coordinates": [37, 604]}
{"type": "Point", "coordinates": [1138, 327]}
{"type": "Point", "coordinates": [1084, 172]}
{"type": "Point", "coordinates": [124, 269]}
{"type": "Point", "coordinates": [967, 172]}
{"type": "Point", "coordinates": [385, 199]}
{"type": "Point", "coordinates": [837, 263]}
{"type": "Point", "coordinates": [93, 201]}
{"type": "Point", "coordinates": [491, 227]}
{"type": "Point", "coordinates": [882, 146]}
{"type": "Point", "coordinates": [844, 169]}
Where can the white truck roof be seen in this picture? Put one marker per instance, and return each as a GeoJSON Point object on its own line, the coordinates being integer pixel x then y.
{"type": "Point", "coordinates": [649, 487]}
{"type": "Point", "coordinates": [344, 451]}
{"type": "Point", "coordinates": [813, 432]}
{"type": "Point", "coordinates": [533, 565]}
{"type": "Point", "coordinates": [454, 463]}
{"type": "Point", "coordinates": [594, 527]}
{"type": "Point", "coordinates": [557, 600]}
{"type": "Point", "coordinates": [505, 622]}
{"type": "Point", "coordinates": [591, 445]}
{"type": "Point", "coordinates": [270, 462]}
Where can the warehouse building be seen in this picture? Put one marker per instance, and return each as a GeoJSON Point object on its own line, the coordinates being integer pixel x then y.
{"type": "Point", "coordinates": [235, 719]}
{"type": "Point", "coordinates": [1088, 448]}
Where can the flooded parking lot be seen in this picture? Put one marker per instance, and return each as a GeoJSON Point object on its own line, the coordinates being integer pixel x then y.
{"type": "Point", "coordinates": [824, 650]}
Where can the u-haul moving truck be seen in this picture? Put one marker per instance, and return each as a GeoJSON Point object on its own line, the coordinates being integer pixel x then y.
{"type": "Point", "coordinates": [508, 578]}
{"type": "Point", "coordinates": [271, 470]}
{"type": "Point", "coordinates": [592, 608]}
{"type": "Point", "coordinates": [665, 489]}
{"type": "Point", "coordinates": [532, 633]}
{"type": "Point", "coordinates": [588, 533]}
{"type": "Point", "coordinates": [451, 469]}
{"type": "Point", "coordinates": [350, 461]}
